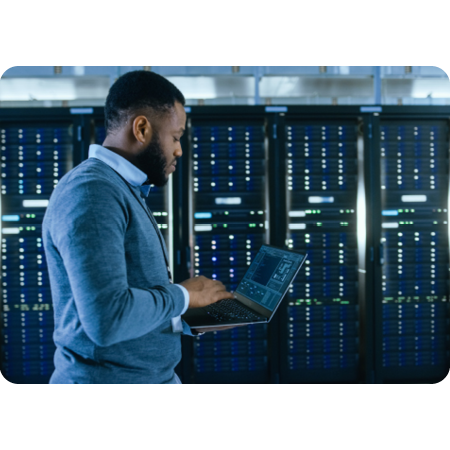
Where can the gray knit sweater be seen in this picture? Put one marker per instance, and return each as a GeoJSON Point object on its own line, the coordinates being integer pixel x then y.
{"type": "Point", "coordinates": [113, 301]}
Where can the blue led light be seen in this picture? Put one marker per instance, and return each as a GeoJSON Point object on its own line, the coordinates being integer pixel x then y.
{"type": "Point", "coordinates": [81, 110]}
{"type": "Point", "coordinates": [371, 109]}
{"type": "Point", "coordinates": [203, 215]}
{"type": "Point", "coordinates": [389, 212]}
{"type": "Point", "coordinates": [276, 109]}
{"type": "Point", "coordinates": [11, 218]}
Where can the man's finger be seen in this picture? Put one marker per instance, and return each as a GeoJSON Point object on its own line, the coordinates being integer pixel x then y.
{"type": "Point", "coordinates": [222, 295]}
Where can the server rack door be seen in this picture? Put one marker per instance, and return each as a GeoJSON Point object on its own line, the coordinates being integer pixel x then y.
{"type": "Point", "coordinates": [37, 149]}
{"type": "Point", "coordinates": [229, 214]}
{"type": "Point", "coordinates": [413, 333]}
{"type": "Point", "coordinates": [319, 331]}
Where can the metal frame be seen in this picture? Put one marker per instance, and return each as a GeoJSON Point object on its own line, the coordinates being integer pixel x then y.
{"type": "Point", "coordinates": [377, 73]}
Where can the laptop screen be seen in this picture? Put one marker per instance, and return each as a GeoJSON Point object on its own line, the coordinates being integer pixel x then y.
{"type": "Point", "coordinates": [269, 276]}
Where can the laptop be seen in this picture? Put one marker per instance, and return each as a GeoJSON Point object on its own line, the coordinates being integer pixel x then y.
{"type": "Point", "coordinates": [257, 296]}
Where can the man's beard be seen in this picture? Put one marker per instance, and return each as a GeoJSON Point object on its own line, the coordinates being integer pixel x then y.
{"type": "Point", "coordinates": [153, 163]}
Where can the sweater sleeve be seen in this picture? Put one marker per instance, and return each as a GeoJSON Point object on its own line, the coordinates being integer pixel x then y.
{"type": "Point", "coordinates": [88, 231]}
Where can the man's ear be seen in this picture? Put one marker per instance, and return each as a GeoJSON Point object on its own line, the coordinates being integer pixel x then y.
{"type": "Point", "coordinates": [142, 130]}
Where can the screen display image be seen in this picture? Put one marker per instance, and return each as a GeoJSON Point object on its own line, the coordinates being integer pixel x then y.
{"type": "Point", "coordinates": [269, 276]}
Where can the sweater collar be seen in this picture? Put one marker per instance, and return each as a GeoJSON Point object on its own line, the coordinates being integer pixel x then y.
{"type": "Point", "coordinates": [128, 171]}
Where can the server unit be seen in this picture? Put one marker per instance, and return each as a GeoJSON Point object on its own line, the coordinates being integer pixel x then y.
{"type": "Point", "coordinates": [413, 325]}
{"type": "Point", "coordinates": [229, 213]}
{"type": "Point", "coordinates": [319, 326]}
{"type": "Point", "coordinates": [36, 152]}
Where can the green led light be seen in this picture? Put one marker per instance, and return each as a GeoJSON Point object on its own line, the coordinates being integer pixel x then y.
{"type": "Point", "coordinates": [225, 225]}
{"type": "Point", "coordinates": [319, 224]}
{"type": "Point", "coordinates": [226, 213]}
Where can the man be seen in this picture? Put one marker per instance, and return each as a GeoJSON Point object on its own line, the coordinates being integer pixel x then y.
{"type": "Point", "coordinates": [117, 313]}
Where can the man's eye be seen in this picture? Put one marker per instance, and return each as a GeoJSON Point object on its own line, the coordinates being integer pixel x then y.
{"type": "Point", "coordinates": [176, 140]}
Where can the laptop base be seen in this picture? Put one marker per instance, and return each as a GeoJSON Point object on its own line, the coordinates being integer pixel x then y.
{"type": "Point", "coordinates": [198, 318]}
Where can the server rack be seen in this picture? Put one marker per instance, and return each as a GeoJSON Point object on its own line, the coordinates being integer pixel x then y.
{"type": "Point", "coordinates": [229, 222]}
{"type": "Point", "coordinates": [36, 151]}
{"type": "Point", "coordinates": [412, 308]}
{"type": "Point", "coordinates": [320, 324]}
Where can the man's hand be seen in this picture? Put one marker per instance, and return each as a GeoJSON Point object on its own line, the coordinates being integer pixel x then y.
{"type": "Point", "coordinates": [204, 291]}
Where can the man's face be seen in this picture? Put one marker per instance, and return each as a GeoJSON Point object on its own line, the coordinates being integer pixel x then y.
{"type": "Point", "coordinates": [158, 160]}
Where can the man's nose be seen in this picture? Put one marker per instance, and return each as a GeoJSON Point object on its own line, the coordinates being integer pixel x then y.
{"type": "Point", "coordinates": [178, 151]}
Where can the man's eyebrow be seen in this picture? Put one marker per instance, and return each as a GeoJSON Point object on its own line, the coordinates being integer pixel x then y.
{"type": "Point", "coordinates": [182, 130]}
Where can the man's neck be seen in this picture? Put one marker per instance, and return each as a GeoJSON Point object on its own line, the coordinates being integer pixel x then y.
{"type": "Point", "coordinates": [124, 154]}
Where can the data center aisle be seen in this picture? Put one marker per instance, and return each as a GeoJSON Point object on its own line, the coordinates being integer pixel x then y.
{"type": "Point", "coordinates": [367, 307]}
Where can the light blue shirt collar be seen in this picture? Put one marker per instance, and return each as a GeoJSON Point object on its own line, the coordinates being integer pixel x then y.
{"type": "Point", "coordinates": [128, 171]}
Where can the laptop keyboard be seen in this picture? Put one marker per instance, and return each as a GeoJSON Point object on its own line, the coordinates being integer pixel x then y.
{"type": "Point", "coordinates": [230, 309]}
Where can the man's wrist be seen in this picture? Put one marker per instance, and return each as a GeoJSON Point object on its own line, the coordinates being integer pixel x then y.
{"type": "Point", "coordinates": [186, 298]}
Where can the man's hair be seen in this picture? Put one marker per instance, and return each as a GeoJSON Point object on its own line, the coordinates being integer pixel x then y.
{"type": "Point", "coordinates": [139, 91]}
